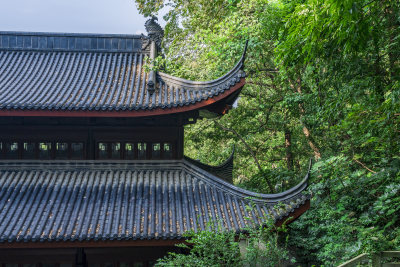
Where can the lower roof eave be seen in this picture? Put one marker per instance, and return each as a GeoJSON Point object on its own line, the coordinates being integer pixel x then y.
{"type": "Point", "coordinates": [133, 243]}
{"type": "Point", "coordinates": [73, 202]}
{"type": "Point", "coordinates": [294, 215]}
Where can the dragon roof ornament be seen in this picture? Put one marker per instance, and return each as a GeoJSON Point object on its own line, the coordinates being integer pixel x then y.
{"type": "Point", "coordinates": [155, 35]}
{"type": "Point", "coordinates": [154, 31]}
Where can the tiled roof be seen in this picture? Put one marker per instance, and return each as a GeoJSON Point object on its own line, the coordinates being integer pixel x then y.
{"type": "Point", "coordinates": [95, 200]}
{"type": "Point", "coordinates": [67, 72]}
{"type": "Point", "coordinates": [223, 171]}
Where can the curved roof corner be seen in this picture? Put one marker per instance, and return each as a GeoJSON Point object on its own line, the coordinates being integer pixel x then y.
{"type": "Point", "coordinates": [223, 171]}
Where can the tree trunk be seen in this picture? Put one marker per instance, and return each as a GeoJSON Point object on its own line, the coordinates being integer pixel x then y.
{"type": "Point", "coordinates": [306, 131]}
{"type": "Point", "coordinates": [288, 148]}
{"type": "Point", "coordinates": [392, 27]}
{"type": "Point", "coordinates": [311, 143]}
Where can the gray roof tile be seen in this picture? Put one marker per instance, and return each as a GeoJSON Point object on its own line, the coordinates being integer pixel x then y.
{"type": "Point", "coordinates": [47, 71]}
{"type": "Point", "coordinates": [95, 200]}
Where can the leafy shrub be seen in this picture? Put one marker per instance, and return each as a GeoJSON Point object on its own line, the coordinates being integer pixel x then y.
{"type": "Point", "coordinates": [352, 212]}
{"type": "Point", "coordinates": [215, 247]}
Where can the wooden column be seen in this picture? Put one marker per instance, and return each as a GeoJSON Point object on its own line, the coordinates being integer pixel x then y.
{"type": "Point", "coordinates": [80, 258]}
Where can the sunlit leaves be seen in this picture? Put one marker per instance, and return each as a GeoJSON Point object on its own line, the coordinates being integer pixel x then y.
{"type": "Point", "coordinates": [331, 66]}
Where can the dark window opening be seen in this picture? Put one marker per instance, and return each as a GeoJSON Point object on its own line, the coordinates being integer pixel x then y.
{"type": "Point", "coordinates": [77, 151]}
{"type": "Point", "coordinates": [156, 151]}
{"type": "Point", "coordinates": [167, 151]}
{"type": "Point", "coordinates": [103, 150]}
{"type": "Point", "coordinates": [28, 150]}
{"type": "Point", "coordinates": [45, 150]}
{"type": "Point", "coordinates": [61, 150]}
{"type": "Point", "coordinates": [11, 150]}
{"type": "Point", "coordinates": [129, 151]}
{"type": "Point", "coordinates": [141, 150]}
{"type": "Point", "coordinates": [116, 151]}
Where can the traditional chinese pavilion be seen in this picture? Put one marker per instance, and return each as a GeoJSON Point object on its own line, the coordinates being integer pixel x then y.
{"type": "Point", "coordinates": [92, 165]}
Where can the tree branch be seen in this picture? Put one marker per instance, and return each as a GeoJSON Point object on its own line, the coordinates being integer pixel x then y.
{"type": "Point", "coordinates": [363, 165]}
{"type": "Point", "coordinates": [271, 188]}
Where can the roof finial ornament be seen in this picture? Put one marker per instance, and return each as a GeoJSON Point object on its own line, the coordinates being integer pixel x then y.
{"type": "Point", "coordinates": [155, 35]}
{"type": "Point", "coordinates": [154, 31]}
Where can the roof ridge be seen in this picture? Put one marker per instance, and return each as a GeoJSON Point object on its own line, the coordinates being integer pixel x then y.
{"type": "Point", "coordinates": [46, 41]}
{"type": "Point", "coordinates": [70, 34]}
{"type": "Point", "coordinates": [257, 197]}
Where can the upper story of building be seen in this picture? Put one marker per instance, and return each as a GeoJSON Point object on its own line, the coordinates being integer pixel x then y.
{"type": "Point", "coordinates": [89, 96]}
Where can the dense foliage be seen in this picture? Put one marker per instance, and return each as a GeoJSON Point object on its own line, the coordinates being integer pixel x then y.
{"type": "Point", "coordinates": [323, 82]}
{"type": "Point", "coordinates": [259, 247]}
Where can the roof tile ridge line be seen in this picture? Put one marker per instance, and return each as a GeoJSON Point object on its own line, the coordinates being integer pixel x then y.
{"type": "Point", "coordinates": [34, 80]}
{"type": "Point", "coordinates": [259, 197]}
{"type": "Point", "coordinates": [116, 82]}
{"type": "Point", "coordinates": [67, 34]}
{"type": "Point", "coordinates": [10, 195]}
{"type": "Point", "coordinates": [5, 62]}
{"type": "Point", "coordinates": [58, 70]}
{"type": "Point", "coordinates": [218, 182]}
{"type": "Point", "coordinates": [184, 82]}
{"type": "Point", "coordinates": [238, 67]}
{"type": "Point", "coordinates": [11, 71]}
{"type": "Point", "coordinates": [47, 83]}
{"type": "Point", "coordinates": [125, 84]}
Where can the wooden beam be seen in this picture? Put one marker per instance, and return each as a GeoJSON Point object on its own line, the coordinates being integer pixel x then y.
{"type": "Point", "coordinates": [93, 244]}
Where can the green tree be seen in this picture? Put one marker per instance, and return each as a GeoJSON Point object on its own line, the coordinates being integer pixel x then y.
{"type": "Point", "coordinates": [215, 247]}
{"type": "Point", "coordinates": [323, 82]}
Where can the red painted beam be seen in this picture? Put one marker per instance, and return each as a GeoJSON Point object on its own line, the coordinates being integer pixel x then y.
{"type": "Point", "coordinates": [93, 244]}
{"type": "Point", "coordinates": [293, 216]}
{"type": "Point", "coordinates": [121, 113]}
